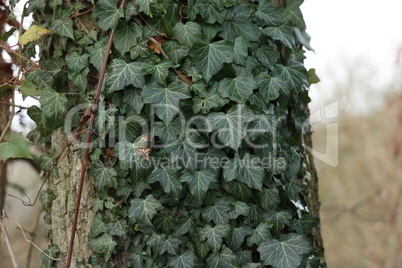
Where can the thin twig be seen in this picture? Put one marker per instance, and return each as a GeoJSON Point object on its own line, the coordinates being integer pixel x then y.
{"type": "Point", "coordinates": [15, 105]}
{"type": "Point", "coordinates": [33, 236]}
{"type": "Point", "coordinates": [7, 48]}
{"type": "Point", "coordinates": [88, 141]}
{"type": "Point", "coordinates": [149, 26]}
{"type": "Point", "coordinates": [7, 240]}
{"type": "Point", "coordinates": [49, 172]}
{"type": "Point", "coordinates": [25, 237]}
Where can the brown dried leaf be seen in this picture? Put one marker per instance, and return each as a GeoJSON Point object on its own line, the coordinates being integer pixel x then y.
{"type": "Point", "coordinates": [184, 78]}
{"type": "Point", "coordinates": [160, 39]}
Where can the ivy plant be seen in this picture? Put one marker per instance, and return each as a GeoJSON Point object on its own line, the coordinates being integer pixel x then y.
{"type": "Point", "coordinates": [200, 134]}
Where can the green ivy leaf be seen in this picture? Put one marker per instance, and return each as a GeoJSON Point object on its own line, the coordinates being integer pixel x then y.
{"type": "Point", "coordinates": [214, 235]}
{"type": "Point", "coordinates": [4, 37]}
{"type": "Point", "coordinates": [76, 62]}
{"type": "Point", "coordinates": [237, 236]}
{"type": "Point", "coordinates": [231, 126]}
{"type": "Point", "coordinates": [218, 213]}
{"type": "Point", "coordinates": [98, 226]}
{"type": "Point", "coordinates": [63, 28]}
{"type": "Point", "coordinates": [269, 198]}
{"type": "Point", "coordinates": [186, 33]}
{"type": "Point", "coordinates": [209, 13]}
{"type": "Point", "coordinates": [36, 114]}
{"type": "Point", "coordinates": [140, 187]}
{"type": "Point", "coordinates": [53, 106]}
{"type": "Point", "coordinates": [165, 222]}
{"type": "Point", "coordinates": [129, 157]}
{"type": "Point", "coordinates": [259, 234]}
{"type": "Point", "coordinates": [240, 27]}
{"type": "Point", "coordinates": [103, 175]}
{"type": "Point", "coordinates": [159, 71]}
{"type": "Point", "coordinates": [118, 228]}
{"type": "Point", "coordinates": [108, 14]}
{"type": "Point", "coordinates": [183, 152]}
{"type": "Point", "coordinates": [283, 33]}
{"type": "Point", "coordinates": [238, 190]}
{"type": "Point", "coordinates": [134, 99]}
{"type": "Point", "coordinates": [97, 54]}
{"type": "Point", "coordinates": [303, 38]}
{"type": "Point", "coordinates": [247, 170]}
{"type": "Point", "coordinates": [237, 89]}
{"type": "Point", "coordinates": [209, 57]}
{"type": "Point", "coordinates": [143, 210]}
{"type": "Point", "coordinates": [145, 6]}
{"type": "Point", "coordinates": [293, 12]}
{"type": "Point", "coordinates": [293, 73]}
{"type": "Point", "coordinates": [286, 252]}
{"type": "Point", "coordinates": [267, 56]}
{"type": "Point", "coordinates": [240, 50]}
{"type": "Point", "coordinates": [267, 14]}
{"type": "Point", "coordinates": [312, 77]}
{"type": "Point", "coordinates": [185, 225]}
{"type": "Point", "coordinates": [271, 87]}
{"type": "Point", "coordinates": [126, 36]}
{"type": "Point", "coordinates": [305, 224]}
{"type": "Point", "coordinates": [175, 51]}
{"type": "Point", "coordinates": [81, 80]}
{"type": "Point", "coordinates": [279, 219]}
{"type": "Point", "coordinates": [98, 205]}
{"type": "Point", "coordinates": [198, 182]}
{"type": "Point", "coordinates": [27, 88]}
{"type": "Point", "coordinates": [171, 246]}
{"type": "Point", "coordinates": [168, 178]}
{"type": "Point", "coordinates": [46, 197]}
{"type": "Point", "coordinates": [166, 98]}
{"type": "Point", "coordinates": [140, 50]}
{"type": "Point", "coordinates": [208, 99]}
{"type": "Point", "coordinates": [124, 192]}
{"type": "Point", "coordinates": [169, 132]}
{"type": "Point", "coordinates": [266, 125]}
{"type": "Point", "coordinates": [185, 260]}
{"type": "Point", "coordinates": [239, 208]}
{"type": "Point", "coordinates": [125, 74]}
{"type": "Point", "coordinates": [103, 245]}
{"type": "Point", "coordinates": [130, 127]}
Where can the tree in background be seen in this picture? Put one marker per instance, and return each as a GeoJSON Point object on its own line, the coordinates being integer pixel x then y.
{"type": "Point", "coordinates": [191, 118]}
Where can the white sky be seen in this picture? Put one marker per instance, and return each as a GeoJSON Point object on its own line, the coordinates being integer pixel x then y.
{"type": "Point", "coordinates": [345, 31]}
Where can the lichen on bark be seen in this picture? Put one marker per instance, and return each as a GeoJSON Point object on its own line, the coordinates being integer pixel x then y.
{"type": "Point", "coordinates": [62, 211]}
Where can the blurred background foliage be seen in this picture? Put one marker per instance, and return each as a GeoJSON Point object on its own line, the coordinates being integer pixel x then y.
{"type": "Point", "coordinates": [361, 198]}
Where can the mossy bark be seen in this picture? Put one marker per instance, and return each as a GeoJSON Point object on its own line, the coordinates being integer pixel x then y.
{"type": "Point", "coordinates": [65, 188]}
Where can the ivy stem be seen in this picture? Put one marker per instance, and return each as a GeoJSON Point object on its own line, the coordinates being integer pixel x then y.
{"type": "Point", "coordinates": [88, 141]}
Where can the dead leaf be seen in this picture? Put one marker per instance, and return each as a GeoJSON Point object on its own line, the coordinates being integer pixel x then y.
{"type": "Point", "coordinates": [184, 78]}
{"type": "Point", "coordinates": [160, 39]}
{"type": "Point", "coordinates": [34, 33]}
{"type": "Point", "coordinates": [110, 152]}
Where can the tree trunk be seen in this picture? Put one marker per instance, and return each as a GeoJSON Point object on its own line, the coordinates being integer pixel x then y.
{"type": "Point", "coordinates": [183, 215]}
{"type": "Point", "coordinates": [63, 206]}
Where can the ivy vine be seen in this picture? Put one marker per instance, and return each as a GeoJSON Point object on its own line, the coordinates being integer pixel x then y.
{"type": "Point", "coordinates": [199, 127]}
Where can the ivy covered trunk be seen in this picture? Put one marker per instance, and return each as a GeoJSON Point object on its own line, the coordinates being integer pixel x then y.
{"type": "Point", "coordinates": [197, 155]}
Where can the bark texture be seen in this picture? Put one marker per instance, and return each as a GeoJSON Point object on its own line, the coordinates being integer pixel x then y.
{"type": "Point", "coordinates": [65, 188]}
{"type": "Point", "coordinates": [312, 193]}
